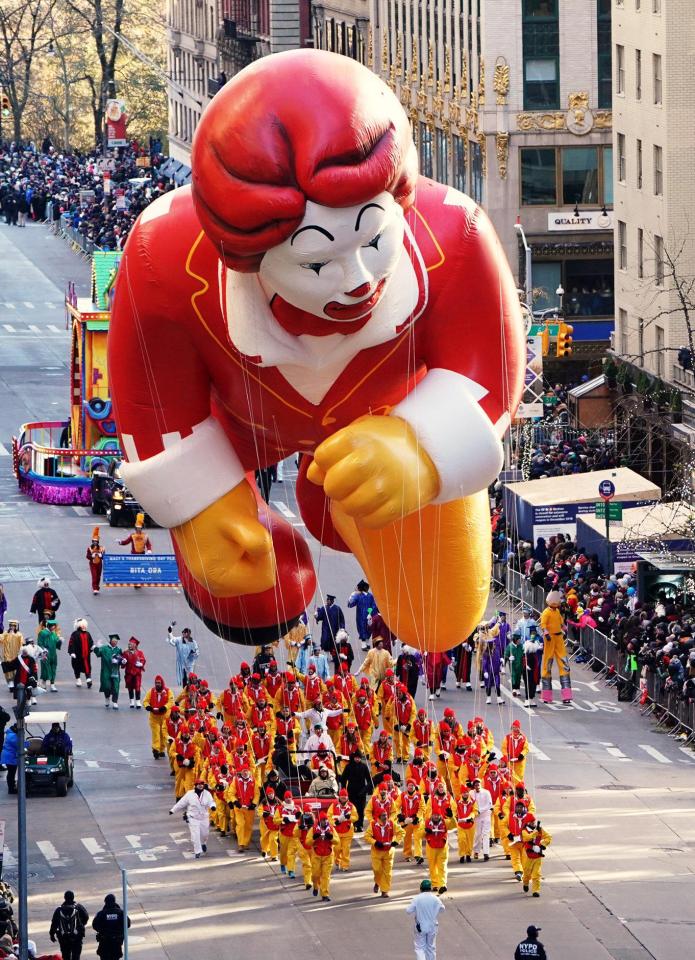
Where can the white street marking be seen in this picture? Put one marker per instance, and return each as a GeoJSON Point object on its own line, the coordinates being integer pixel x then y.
{"type": "Point", "coordinates": [653, 752]}
{"type": "Point", "coordinates": [4, 452]}
{"type": "Point", "coordinates": [34, 328]}
{"type": "Point", "coordinates": [9, 859]}
{"type": "Point", "coordinates": [689, 753]}
{"type": "Point", "coordinates": [134, 840]}
{"type": "Point", "coordinates": [51, 306]}
{"type": "Point", "coordinates": [615, 751]}
{"type": "Point", "coordinates": [99, 854]}
{"type": "Point", "coordinates": [9, 328]}
{"type": "Point", "coordinates": [284, 510]}
{"type": "Point", "coordinates": [180, 837]}
{"type": "Point", "coordinates": [29, 304]}
{"type": "Point", "coordinates": [124, 753]}
{"type": "Point", "coordinates": [10, 306]}
{"type": "Point", "coordinates": [51, 854]}
{"type": "Point", "coordinates": [538, 754]}
{"type": "Point", "coordinates": [83, 511]}
{"type": "Point", "coordinates": [53, 328]}
{"type": "Point", "coordinates": [93, 764]}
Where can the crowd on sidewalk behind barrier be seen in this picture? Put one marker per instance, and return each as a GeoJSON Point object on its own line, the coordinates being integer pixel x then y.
{"type": "Point", "coordinates": [49, 185]}
{"type": "Point", "coordinates": [652, 636]}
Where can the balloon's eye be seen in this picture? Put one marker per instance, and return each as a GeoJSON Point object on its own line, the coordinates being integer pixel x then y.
{"type": "Point", "coordinates": [374, 242]}
{"type": "Point", "coordinates": [316, 267]}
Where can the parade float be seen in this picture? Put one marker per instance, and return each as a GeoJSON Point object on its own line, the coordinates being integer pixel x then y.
{"type": "Point", "coordinates": [54, 459]}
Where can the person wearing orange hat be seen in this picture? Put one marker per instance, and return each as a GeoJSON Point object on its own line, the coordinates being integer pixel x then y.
{"type": "Point", "coordinates": [272, 680]}
{"type": "Point", "coordinates": [383, 835]}
{"type": "Point", "coordinates": [553, 629]}
{"type": "Point", "coordinates": [290, 816]}
{"type": "Point", "coordinates": [465, 813]}
{"type": "Point", "coordinates": [404, 717]}
{"type": "Point", "coordinates": [444, 745]}
{"type": "Point", "coordinates": [409, 813]}
{"type": "Point", "coordinates": [514, 824]}
{"type": "Point", "coordinates": [271, 820]}
{"type": "Point", "coordinates": [158, 703]}
{"type": "Point", "coordinates": [343, 815]}
{"type": "Point", "coordinates": [197, 805]}
{"type": "Point", "coordinates": [323, 840]}
{"type": "Point", "coordinates": [304, 828]}
{"type": "Point", "coordinates": [535, 842]}
{"type": "Point", "coordinates": [515, 749]}
{"type": "Point", "coordinates": [232, 703]}
{"type": "Point", "coordinates": [134, 661]}
{"type": "Point", "coordinates": [435, 831]}
{"type": "Point", "coordinates": [95, 558]}
{"type": "Point", "coordinates": [243, 798]}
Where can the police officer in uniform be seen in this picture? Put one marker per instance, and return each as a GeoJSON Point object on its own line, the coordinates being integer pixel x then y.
{"type": "Point", "coordinates": [531, 948]}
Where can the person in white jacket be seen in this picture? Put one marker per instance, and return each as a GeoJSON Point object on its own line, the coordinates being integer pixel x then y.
{"type": "Point", "coordinates": [481, 841]}
{"type": "Point", "coordinates": [426, 907]}
{"type": "Point", "coordinates": [197, 804]}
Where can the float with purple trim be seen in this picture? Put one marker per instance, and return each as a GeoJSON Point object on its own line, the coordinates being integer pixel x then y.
{"type": "Point", "coordinates": [54, 460]}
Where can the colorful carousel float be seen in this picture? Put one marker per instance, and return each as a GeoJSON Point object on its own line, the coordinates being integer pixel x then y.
{"type": "Point", "coordinates": [54, 460]}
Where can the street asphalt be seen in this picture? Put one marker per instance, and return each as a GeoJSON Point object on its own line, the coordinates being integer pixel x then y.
{"type": "Point", "coordinates": [616, 794]}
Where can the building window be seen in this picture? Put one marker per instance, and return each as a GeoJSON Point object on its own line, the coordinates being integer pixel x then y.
{"type": "Point", "coordinates": [658, 171]}
{"type": "Point", "coordinates": [608, 176]}
{"type": "Point", "coordinates": [541, 44]}
{"type": "Point", "coordinates": [656, 6]}
{"type": "Point", "coordinates": [640, 338]}
{"type": "Point", "coordinates": [659, 260]}
{"type": "Point", "coordinates": [622, 331]}
{"type": "Point", "coordinates": [656, 67]}
{"type": "Point", "coordinates": [639, 164]}
{"type": "Point", "coordinates": [425, 150]}
{"type": "Point", "coordinates": [459, 159]}
{"type": "Point", "coordinates": [476, 166]}
{"type": "Point", "coordinates": [622, 245]}
{"type": "Point", "coordinates": [640, 253]}
{"type": "Point", "coordinates": [620, 69]}
{"type": "Point", "coordinates": [441, 141]}
{"type": "Point", "coordinates": [588, 287]}
{"type": "Point", "coordinates": [604, 48]}
{"type": "Point", "coordinates": [638, 74]}
{"type": "Point", "coordinates": [659, 343]}
{"type": "Point", "coordinates": [538, 176]}
{"type": "Point", "coordinates": [622, 162]}
{"type": "Point", "coordinates": [580, 175]}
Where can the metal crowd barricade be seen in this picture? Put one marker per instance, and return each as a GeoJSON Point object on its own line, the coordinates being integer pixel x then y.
{"type": "Point", "coordinates": [604, 651]}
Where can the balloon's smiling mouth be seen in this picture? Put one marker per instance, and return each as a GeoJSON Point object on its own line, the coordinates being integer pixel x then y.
{"type": "Point", "coordinates": [352, 311]}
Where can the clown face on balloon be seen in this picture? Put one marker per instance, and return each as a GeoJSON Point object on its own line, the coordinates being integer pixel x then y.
{"type": "Point", "coordinates": [310, 292]}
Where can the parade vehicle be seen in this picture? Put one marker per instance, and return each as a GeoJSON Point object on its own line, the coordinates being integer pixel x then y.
{"type": "Point", "coordinates": [46, 771]}
{"type": "Point", "coordinates": [54, 460]}
{"type": "Point", "coordinates": [112, 499]}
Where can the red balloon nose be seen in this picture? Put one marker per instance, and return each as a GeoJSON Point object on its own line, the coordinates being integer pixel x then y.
{"type": "Point", "coordinates": [360, 291]}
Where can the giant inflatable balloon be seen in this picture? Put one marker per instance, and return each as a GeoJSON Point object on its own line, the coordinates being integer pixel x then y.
{"type": "Point", "coordinates": [310, 292]}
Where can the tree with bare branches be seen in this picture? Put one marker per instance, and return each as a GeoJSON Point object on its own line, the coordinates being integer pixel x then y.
{"type": "Point", "coordinates": [23, 33]}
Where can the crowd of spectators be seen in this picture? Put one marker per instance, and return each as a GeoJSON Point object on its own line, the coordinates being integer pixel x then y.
{"type": "Point", "coordinates": [68, 189]}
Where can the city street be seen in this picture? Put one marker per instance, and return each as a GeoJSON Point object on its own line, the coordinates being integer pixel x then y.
{"type": "Point", "coordinates": [616, 795]}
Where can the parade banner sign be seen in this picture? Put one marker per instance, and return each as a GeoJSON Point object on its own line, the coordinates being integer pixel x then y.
{"type": "Point", "coordinates": [116, 119]}
{"type": "Point", "coordinates": [531, 405]}
{"type": "Point", "coordinates": [141, 570]}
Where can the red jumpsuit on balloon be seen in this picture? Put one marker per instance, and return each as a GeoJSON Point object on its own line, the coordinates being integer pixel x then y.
{"type": "Point", "coordinates": [185, 386]}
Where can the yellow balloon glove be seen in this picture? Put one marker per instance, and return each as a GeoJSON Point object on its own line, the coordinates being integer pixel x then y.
{"type": "Point", "coordinates": [226, 548]}
{"type": "Point", "coordinates": [375, 470]}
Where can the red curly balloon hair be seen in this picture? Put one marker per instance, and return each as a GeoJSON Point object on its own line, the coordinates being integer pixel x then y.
{"type": "Point", "coordinates": [296, 126]}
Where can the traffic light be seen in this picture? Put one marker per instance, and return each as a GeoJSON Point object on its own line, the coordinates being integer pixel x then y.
{"type": "Point", "coordinates": [5, 105]}
{"type": "Point", "coordinates": [564, 339]}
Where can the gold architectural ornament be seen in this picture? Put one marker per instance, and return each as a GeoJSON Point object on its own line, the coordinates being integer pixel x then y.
{"type": "Point", "coordinates": [603, 120]}
{"type": "Point", "coordinates": [483, 153]}
{"type": "Point", "coordinates": [385, 52]}
{"type": "Point", "coordinates": [430, 65]}
{"type": "Point", "coordinates": [464, 77]}
{"type": "Point", "coordinates": [399, 55]}
{"type": "Point", "coordinates": [438, 99]}
{"type": "Point", "coordinates": [414, 66]}
{"type": "Point", "coordinates": [370, 48]}
{"type": "Point", "coordinates": [500, 81]}
{"type": "Point", "coordinates": [481, 83]}
{"type": "Point", "coordinates": [421, 96]}
{"type": "Point", "coordinates": [447, 70]}
{"type": "Point", "coordinates": [413, 116]}
{"type": "Point", "coordinates": [429, 120]}
{"type": "Point", "coordinates": [540, 121]}
{"type": "Point", "coordinates": [446, 126]}
{"type": "Point", "coordinates": [579, 118]}
{"type": "Point", "coordinates": [502, 150]}
{"type": "Point", "coordinates": [392, 77]}
{"type": "Point", "coordinates": [405, 96]}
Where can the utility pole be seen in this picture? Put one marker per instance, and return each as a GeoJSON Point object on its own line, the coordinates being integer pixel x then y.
{"type": "Point", "coordinates": [20, 713]}
{"type": "Point", "coordinates": [528, 273]}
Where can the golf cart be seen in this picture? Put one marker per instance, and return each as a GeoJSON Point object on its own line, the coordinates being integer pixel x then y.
{"type": "Point", "coordinates": [52, 771]}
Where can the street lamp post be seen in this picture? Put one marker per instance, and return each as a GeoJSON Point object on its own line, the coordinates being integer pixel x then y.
{"type": "Point", "coordinates": [528, 278]}
{"type": "Point", "coordinates": [20, 713]}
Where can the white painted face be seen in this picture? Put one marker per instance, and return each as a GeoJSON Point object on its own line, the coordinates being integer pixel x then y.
{"type": "Point", "coordinates": [339, 260]}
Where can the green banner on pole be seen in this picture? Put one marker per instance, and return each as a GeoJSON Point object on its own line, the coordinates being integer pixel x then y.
{"type": "Point", "coordinates": [615, 510]}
